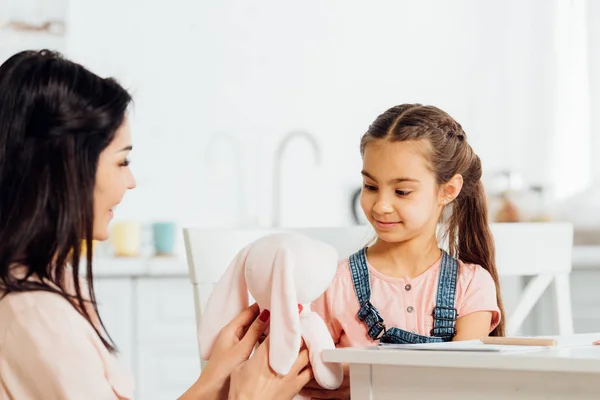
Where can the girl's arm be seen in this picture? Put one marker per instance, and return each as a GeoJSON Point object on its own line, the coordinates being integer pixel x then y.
{"type": "Point", "coordinates": [473, 326]}
{"type": "Point", "coordinates": [324, 307]}
{"type": "Point", "coordinates": [478, 311]}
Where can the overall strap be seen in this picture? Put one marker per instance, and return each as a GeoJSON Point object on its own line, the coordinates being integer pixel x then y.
{"type": "Point", "coordinates": [444, 312]}
{"type": "Point", "coordinates": [367, 312]}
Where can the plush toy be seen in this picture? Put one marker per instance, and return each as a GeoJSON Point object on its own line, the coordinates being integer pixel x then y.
{"type": "Point", "coordinates": [284, 273]}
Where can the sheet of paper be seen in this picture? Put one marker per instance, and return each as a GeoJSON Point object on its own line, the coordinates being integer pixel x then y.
{"type": "Point", "coordinates": [468, 346]}
{"type": "Point", "coordinates": [577, 339]}
{"type": "Point", "coordinates": [580, 339]}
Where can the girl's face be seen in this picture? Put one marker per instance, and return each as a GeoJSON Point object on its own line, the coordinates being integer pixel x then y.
{"type": "Point", "coordinates": [400, 195]}
{"type": "Point", "coordinates": [113, 179]}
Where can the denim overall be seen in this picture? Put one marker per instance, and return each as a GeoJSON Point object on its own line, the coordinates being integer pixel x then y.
{"type": "Point", "coordinates": [444, 313]}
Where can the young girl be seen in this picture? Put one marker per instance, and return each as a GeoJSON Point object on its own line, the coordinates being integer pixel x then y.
{"type": "Point", "coordinates": [418, 171]}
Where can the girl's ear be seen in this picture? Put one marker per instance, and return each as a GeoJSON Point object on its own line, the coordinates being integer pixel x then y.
{"type": "Point", "coordinates": [451, 189]}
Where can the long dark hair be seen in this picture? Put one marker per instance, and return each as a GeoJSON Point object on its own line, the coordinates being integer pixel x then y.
{"type": "Point", "coordinates": [56, 117]}
{"type": "Point", "coordinates": [467, 228]}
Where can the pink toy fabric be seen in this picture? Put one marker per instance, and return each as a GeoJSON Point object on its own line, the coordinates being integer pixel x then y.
{"type": "Point", "coordinates": [280, 271]}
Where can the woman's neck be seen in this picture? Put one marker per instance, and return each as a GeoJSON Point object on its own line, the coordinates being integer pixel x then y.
{"type": "Point", "coordinates": [404, 259]}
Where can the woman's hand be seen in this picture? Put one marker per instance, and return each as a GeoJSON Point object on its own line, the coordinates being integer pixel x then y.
{"type": "Point", "coordinates": [313, 390]}
{"type": "Point", "coordinates": [233, 346]}
{"type": "Point", "coordinates": [255, 380]}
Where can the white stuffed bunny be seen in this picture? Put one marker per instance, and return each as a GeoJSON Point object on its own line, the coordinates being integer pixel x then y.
{"type": "Point", "coordinates": [281, 271]}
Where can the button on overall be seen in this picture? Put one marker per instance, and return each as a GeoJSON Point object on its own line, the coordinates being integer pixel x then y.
{"type": "Point", "coordinates": [444, 312]}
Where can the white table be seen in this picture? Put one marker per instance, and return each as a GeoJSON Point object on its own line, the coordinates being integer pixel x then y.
{"type": "Point", "coordinates": [560, 373]}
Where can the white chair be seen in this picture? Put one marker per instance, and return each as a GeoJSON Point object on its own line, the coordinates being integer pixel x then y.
{"type": "Point", "coordinates": [210, 251]}
{"type": "Point", "coordinates": [542, 251]}
{"type": "Point", "coordinates": [538, 249]}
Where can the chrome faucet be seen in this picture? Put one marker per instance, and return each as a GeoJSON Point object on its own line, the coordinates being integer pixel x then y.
{"type": "Point", "coordinates": [209, 159]}
{"type": "Point", "coordinates": [277, 168]}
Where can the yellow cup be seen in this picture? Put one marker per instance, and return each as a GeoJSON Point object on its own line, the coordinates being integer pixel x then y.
{"type": "Point", "coordinates": [126, 238]}
{"type": "Point", "coordinates": [83, 249]}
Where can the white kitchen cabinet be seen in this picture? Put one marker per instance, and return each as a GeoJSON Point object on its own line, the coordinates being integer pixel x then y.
{"type": "Point", "coordinates": [116, 305]}
{"type": "Point", "coordinates": [151, 319]}
{"type": "Point", "coordinates": [167, 357]}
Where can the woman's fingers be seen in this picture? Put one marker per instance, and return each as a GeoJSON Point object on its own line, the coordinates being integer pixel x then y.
{"type": "Point", "coordinates": [301, 362]}
{"type": "Point", "coordinates": [253, 334]}
{"type": "Point", "coordinates": [305, 376]}
{"type": "Point", "coordinates": [243, 320]}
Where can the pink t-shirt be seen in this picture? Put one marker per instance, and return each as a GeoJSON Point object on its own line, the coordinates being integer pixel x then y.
{"type": "Point", "coordinates": [338, 306]}
{"type": "Point", "coordinates": [49, 351]}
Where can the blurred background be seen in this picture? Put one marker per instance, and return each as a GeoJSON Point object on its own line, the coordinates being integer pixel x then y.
{"type": "Point", "coordinates": [231, 95]}
{"type": "Point", "coordinates": [249, 113]}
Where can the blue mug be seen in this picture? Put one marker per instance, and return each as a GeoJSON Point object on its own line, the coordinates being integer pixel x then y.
{"type": "Point", "coordinates": [163, 235]}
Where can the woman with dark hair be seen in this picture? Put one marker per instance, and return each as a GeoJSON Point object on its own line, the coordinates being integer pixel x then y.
{"type": "Point", "coordinates": [64, 143]}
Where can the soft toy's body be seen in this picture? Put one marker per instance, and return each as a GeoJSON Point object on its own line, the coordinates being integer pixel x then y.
{"type": "Point", "coordinates": [281, 272]}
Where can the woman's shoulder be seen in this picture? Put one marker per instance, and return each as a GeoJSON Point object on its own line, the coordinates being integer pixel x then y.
{"type": "Point", "coordinates": [15, 304]}
{"type": "Point", "coordinates": [26, 311]}
{"type": "Point", "coordinates": [44, 332]}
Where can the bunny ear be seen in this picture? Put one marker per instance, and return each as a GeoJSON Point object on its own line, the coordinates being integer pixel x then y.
{"type": "Point", "coordinates": [228, 298]}
{"type": "Point", "coordinates": [285, 334]}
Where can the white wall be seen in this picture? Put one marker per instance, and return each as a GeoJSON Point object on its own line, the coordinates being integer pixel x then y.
{"type": "Point", "coordinates": [32, 13]}
{"type": "Point", "coordinates": [258, 70]}
{"type": "Point", "coordinates": [205, 72]}
{"type": "Point", "coordinates": [594, 67]}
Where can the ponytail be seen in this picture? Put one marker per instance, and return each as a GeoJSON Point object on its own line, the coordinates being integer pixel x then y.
{"type": "Point", "coordinates": [470, 238]}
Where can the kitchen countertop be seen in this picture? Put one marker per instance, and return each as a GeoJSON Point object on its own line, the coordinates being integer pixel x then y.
{"type": "Point", "coordinates": [586, 248]}
{"type": "Point", "coordinates": [123, 267]}
{"type": "Point", "coordinates": [585, 257]}
{"type": "Point", "coordinates": [586, 236]}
